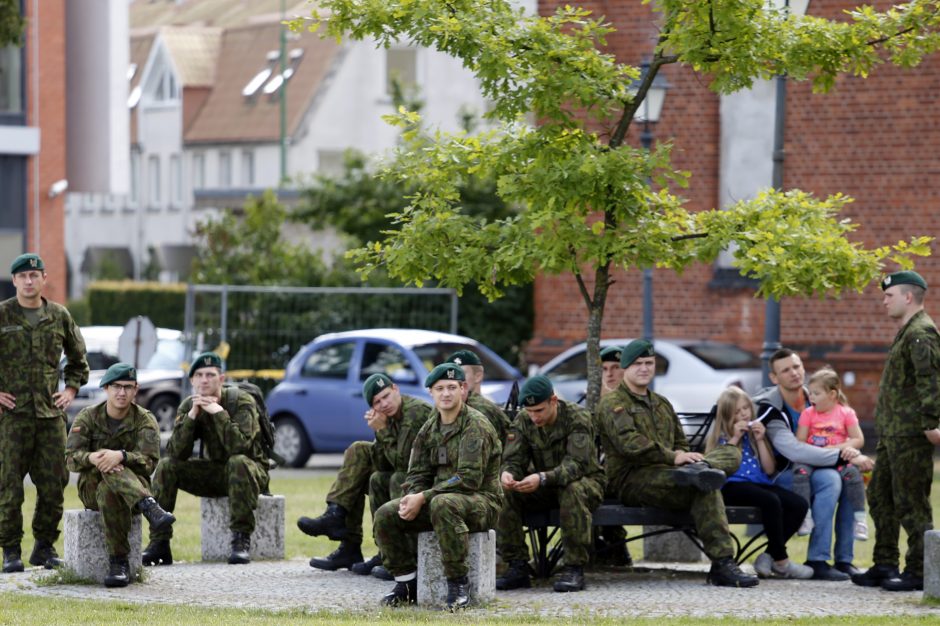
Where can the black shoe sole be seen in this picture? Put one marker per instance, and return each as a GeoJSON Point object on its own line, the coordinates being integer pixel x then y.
{"type": "Point", "coordinates": [116, 583]}
{"type": "Point", "coordinates": [335, 534]}
{"type": "Point", "coordinates": [330, 566]}
{"type": "Point", "coordinates": [741, 584]}
{"type": "Point", "coordinates": [703, 480]}
{"type": "Point", "coordinates": [567, 588]}
{"type": "Point", "coordinates": [527, 584]}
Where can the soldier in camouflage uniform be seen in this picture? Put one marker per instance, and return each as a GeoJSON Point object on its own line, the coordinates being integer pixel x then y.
{"type": "Point", "coordinates": [474, 373]}
{"type": "Point", "coordinates": [377, 468]}
{"type": "Point", "coordinates": [452, 488]}
{"type": "Point", "coordinates": [33, 335]}
{"type": "Point", "coordinates": [906, 418]}
{"type": "Point", "coordinates": [226, 420]}
{"type": "Point", "coordinates": [114, 446]}
{"type": "Point", "coordinates": [550, 461]}
{"type": "Point", "coordinates": [649, 462]}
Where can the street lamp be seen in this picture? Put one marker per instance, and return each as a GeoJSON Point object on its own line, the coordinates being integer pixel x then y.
{"type": "Point", "coordinates": [648, 112]}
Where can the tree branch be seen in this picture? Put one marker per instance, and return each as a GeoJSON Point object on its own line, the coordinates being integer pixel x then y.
{"type": "Point", "coordinates": [584, 292]}
{"type": "Point", "coordinates": [690, 236]}
{"type": "Point", "coordinates": [629, 109]}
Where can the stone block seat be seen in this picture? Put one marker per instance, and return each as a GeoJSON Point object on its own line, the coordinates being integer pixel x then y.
{"type": "Point", "coordinates": [432, 584]}
{"type": "Point", "coordinates": [267, 540]}
{"type": "Point", "coordinates": [85, 552]}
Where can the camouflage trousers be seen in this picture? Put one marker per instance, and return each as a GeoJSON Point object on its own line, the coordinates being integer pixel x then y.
{"type": "Point", "coordinates": [575, 502]}
{"type": "Point", "coordinates": [654, 485]}
{"type": "Point", "coordinates": [115, 496]}
{"type": "Point", "coordinates": [36, 447]}
{"type": "Point", "coordinates": [240, 478]}
{"type": "Point", "coordinates": [899, 495]}
{"type": "Point", "coordinates": [452, 516]}
{"type": "Point", "coordinates": [356, 477]}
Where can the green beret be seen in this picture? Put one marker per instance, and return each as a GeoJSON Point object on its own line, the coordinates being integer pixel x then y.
{"type": "Point", "coordinates": [536, 390]}
{"type": "Point", "coordinates": [611, 353]}
{"type": "Point", "coordinates": [907, 277]}
{"type": "Point", "coordinates": [450, 371]}
{"type": "Point", "coordinates": [118, 371]}
{"type": "Point", "coordinates": [375, 384]}
{"type": "Point", "coordinates": [26, 262]}
{"type": "Point", "coordinates": [464, 357]}
{"type": "Point", "coordinates": [206, 359]}
{"type": "Point", "coordinates": [634, 350]}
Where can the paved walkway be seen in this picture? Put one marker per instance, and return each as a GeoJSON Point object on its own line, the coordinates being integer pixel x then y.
{"type": "Point", "coordinates": [667, 591]}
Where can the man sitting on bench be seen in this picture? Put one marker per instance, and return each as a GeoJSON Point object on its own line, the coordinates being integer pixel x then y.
{"type": "Point", "coordinates": [550, 461]}
{"type": "Point", "coordinates": [649, 462]}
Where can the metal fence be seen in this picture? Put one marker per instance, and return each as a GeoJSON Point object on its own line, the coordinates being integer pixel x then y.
{"type": "Point", "coordinates": [263, 327]}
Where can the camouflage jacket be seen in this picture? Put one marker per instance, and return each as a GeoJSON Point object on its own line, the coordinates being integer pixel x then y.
{"type": "Point", "coordinates": [393, 443]}
{"type": "Point", "coordinates": [565, 451]}
{"type": "Point", "coordinates": [30, 355]}
{"type": "Point", "coordinates": [466, 460]}
{"type": "Point", "coordinates": [490, 411]}
{"type": "Point", "coordinates": [138, 436]}
{"type": "Point", "coordinates": [637, 432]}
{"type": "Point", "coordinates": [233, 430]}
{"type": "Point", "coordinates": [909, 393]}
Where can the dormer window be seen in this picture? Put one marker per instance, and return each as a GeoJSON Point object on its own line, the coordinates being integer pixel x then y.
{"type": "Point", "coordinates": [268, 76]}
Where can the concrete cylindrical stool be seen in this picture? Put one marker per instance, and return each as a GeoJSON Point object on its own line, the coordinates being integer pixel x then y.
{"type": "Point", "coordinates": [267, 540]}
{"type": "Point", "coordinates": [85, 552]}
{"type": "Point", "coordinates": [432, 584]}
{"type": "Point", "coordinates": [932, 564]}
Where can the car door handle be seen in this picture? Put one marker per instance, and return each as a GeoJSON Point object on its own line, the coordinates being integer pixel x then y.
{"type": "Point", "coordinates": [300, 392]}
{"type": "Point", "coordinates": [356, 394]}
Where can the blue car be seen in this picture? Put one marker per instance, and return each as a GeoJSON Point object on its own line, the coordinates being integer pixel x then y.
{"type": "Point", "coordinates": [319, 407]}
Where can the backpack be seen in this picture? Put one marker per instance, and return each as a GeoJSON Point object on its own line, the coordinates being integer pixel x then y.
{"type": "Point", "coordinates": [264, 420]}
{"type": "Point", "coordinates": [511, 408]}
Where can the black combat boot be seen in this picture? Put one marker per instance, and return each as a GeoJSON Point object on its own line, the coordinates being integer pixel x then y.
{"type": "Point", "coordinates": [403, 593]}
{"type": "Point", "coordinates": [700, 475]}
{"type": "Point", "coordinates": [517, 576]}
{"type": "Point", "coordinates": [726, 573]}
{"type": "Point", "coordinates": [571, 578]}
{"type": "Point", "coordinates": [118, 569]}
{"type": "Point", "coordinates": [381, 573]}
{"type": "Point", "coordinates": [156, 516]}
{"type": "Point", "coordinates": [346, 555]}
{"type": "Point", "coordinates": [44, 554]}
{"type": "Point", "coordinates": [905, 582]}
{"type": "Point", "coordinates": [365, 567]}
{"type": "Point", "coordinates": [458, 593]}
{"type": "Point", "coordinates": [12, 559]}
{"type": "Point", "coordinates": [157, 552]}
{"type": "Point", "coordinates": [241, 549]}
{"type": "Point", "coordinates": [875, 575]}
{"type": "Point", "coordinates": [332, 523]}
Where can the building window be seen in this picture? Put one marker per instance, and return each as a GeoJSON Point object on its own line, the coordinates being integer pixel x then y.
{"type": "Point", "coordinates": [176, 181]}
{"type": "Point", "coordinates": [11, 80]}
{"type": "Point", "coordinates": [248, 168]}
{"type": "Point", "coordinates": [331, 162]}
{"type": "Point", "coordinates": [401, 65]}
{"type": "Point", "coordinates": [225, 170]}
{"type": "Point", "coordinates": [135, 177]}
{"type": "Point", "coordinates": [153, 178]}
{"type": "Point", "coordinates": [199, 171]}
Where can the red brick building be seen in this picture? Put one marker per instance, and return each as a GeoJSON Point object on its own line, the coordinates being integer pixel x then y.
{"type": "Point", "coordinates": [875, 139]}
{"type": "Point", "coordinates": [33, 147]}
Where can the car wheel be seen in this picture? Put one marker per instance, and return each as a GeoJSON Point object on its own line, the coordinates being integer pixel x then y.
{"type": "Point", "coordinates": [290, 441]}
{"type": "Point", "coordinates": [164, 409]}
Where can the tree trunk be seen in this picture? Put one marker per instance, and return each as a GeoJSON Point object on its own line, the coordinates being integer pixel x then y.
{"type": "Point", "coordinates": [595, 322]}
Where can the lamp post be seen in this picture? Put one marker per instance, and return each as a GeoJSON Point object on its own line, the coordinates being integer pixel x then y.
{"type": "Point", "coordinates": [648, 113]}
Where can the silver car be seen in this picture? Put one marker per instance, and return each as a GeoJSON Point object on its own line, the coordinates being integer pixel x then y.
{"type": "Point", "coordinates": [691, 374]}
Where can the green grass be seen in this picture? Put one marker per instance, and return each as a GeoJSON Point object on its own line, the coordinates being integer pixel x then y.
{"type": "Point", "coordinates": [305, 495]}
{"type": "Point", "coordinates": [31, 609]}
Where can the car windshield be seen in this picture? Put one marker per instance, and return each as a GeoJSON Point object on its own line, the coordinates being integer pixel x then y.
{"type": "Point", "coordinates": [168, 356]}
{"type": "Point", "coordinates": [432, 354]}
{"type": "Point", "coordinates": [724, 356]}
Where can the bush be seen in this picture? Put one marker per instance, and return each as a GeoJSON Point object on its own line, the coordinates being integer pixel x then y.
{"type": "Point", "coordinates": [116, 302]}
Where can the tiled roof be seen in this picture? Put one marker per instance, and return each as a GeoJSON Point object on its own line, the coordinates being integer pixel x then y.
{"type": "Point", "coordinates": [221, 13]}
{"type": "Point", "coordinates": [139, 53]}
{"type": "Point", "coordinates": [195, 52]}
{"type": "Point", "coordinates": [229, 116]}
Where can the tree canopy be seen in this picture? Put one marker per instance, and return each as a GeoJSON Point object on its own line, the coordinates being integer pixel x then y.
{"type": "Point", "coordinates": [588, 205]}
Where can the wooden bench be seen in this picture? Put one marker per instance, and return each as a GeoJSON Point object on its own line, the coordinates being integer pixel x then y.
{"type": "Point", "coordinates": [544, 534]}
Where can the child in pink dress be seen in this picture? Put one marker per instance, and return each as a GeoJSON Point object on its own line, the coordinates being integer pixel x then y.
{"type": "Point", "coordinates": [831, 423]}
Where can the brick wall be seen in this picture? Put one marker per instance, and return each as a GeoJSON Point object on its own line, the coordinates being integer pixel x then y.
{"type": "Point", "coordinates": [52, 99]}
{"type": "Point", "coordinates": [875, 139]}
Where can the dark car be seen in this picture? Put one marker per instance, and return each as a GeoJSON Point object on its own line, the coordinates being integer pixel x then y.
{"type": "Point", "coordinates": [319, 407]}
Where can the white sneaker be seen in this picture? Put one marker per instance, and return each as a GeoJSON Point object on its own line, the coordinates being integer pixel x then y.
{"type": "Point", "coordinates": [861, 530]}
{"type": "Point", "coordinates": [806, 527]}
{"type": "Point", "coordinates": [793, 570]}
{"type": "Point", "coordinates": [763, 565]}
